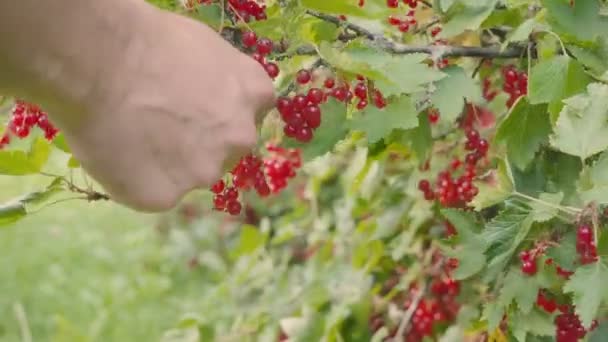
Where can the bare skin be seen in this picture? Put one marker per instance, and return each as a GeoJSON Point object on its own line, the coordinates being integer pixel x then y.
{"type": "Point", "coordinates": [153, 104]}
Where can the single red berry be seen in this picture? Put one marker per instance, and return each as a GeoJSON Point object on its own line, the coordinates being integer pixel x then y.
{"type": "Point", "coordinates": [234, 208]}
{"type": "Point", "coordinates": [315, 95]}
{"type": "Point", "coordinates": [424, 185]}
{"type": "Point", "coordinates": [304, 134]}
{"type": "Point", "coordinates": [329, 83]}
{"type": "Point", "coordinates": [249, 38]}
{"type": "Point", "coordinates": [272, 69]}
{"type": "Point", "coordinates": [404, 27]}
{"type": "Point", "coordinates": [258, 57]}
{"type": "Point", "coordinates": [361, 104]}
{"type": "Point", "coordinates": [393, 20]}
{"type": "Point", "coordinates": [218, 187]}
{"type": "Point", "coordinates": [303, 76]}
{"type": "Point", "coordinates": [361, 91]}
{"type": "Point", "coordinates": [219, 202]}
{"type": "Point", "coordinates": [264, 46]}
{"type": "Point", "coordinates": [299, 102]}
{"type": "Point", "coordinates": [392, 3]}
{"type": "Point", "coordinates": [312, 116]}
{"type": "Point", "coordinates": [231, 194]}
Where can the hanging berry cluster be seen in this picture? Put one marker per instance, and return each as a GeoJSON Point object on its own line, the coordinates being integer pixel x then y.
{"type": "Point", "coordinates": [264, 176]}
{"type": "Point", "coordinates": [24, 117]}
{"type": "Point", "coordinates": [437, 307]}
{"type": "Point", "coordinates": [585, 244]}
{"type": "Point", "coordinates": [569, 327]}
{"type": "Point", "coordinates": [403, 24]}
{"type": "Point", "coordinates": [458, 192]}
{"type": "Point", "coordinates": [244, 10]}
{"type": "Point", "coordinates": [302, 114]}
{"type": "Point", "coordinates": [395, 3]}
{"type": "Point", "coordinates": [260, 48]}
{"type": "Point", "coordinates": [515, 83]}
{"type": "Point", "coordinates": [280, 166]}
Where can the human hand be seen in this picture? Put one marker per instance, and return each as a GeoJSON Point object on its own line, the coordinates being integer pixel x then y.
{"type": "Point", "coordinates": [178, 107]}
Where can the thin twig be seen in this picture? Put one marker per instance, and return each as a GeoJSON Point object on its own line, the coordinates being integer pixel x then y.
{"type": "Point", "coordinates": [434, 50]}
{"type": "Point", "coordinates": [24, 327]}
{"type": "Point", "coordinates": [407, 317]}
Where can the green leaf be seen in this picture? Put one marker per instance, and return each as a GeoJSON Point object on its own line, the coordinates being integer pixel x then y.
{"type": "Point", "coordinates": [493, 314]}
{"type": "Point", "coordinates": [451, 92]}
{"type": "Point", "coordinates": [18, 163]}
{"type": "Point", "coordinates": [587, 292]}
{"type": "Point", "coordinates": [334, 127]}
{"type": "Point", "coordinates": [61, 144]}
{"type": "Point", "coordinates": [567, 20]}
{"type": "Point", "coordinates": [564, 255]}
{"type": "Point", "coordinates": [11, 213]}
{"type": "Point", "coordinates": [495, 188]}
{"type": "Point", "coordinates": [393, 67]}
{"type": "Point", "coordinates": [545, 212]}
{"type": "Point", "coordinates": [503, 234]}
{"type": "Point", "coordinates": [522, 32]}
{"type": "Point", "coordinates": [18, 208]}
{"type": "Point", "coordinates": [420, 138]}
{"type": "Point", "coordinates": [548, 79]}
{"type": "Point", "coordinates": [519, 288]}
{"type": "Point", "coordinates": [379, 123]}
{"type": "Point", "coordinates": [582, 127]}
{"type": "Point", "coordinates": [523, 131]}
{"type": "Point", "coordinates": [466, 15]}
{"type": "Point", "coordinates": [250, 240]}
{"type": "Point", "coordinates": [211, 15]}
{"type": "Point", "coordinates": [576, 82]}
{"type": "Point", "coordinates": [593, 183]}
{"type": "Point", "coordinates": [534, 323]}
{"type": "Point", "coordinates": [469, 250]}
{"type": "Point", "coordinates": [346, 61]}
{"type": "Point", "coordinates": [594, 57]}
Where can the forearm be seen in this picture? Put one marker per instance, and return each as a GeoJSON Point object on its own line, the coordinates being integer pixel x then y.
{"type": "Point", "coordinates": [60, 49]}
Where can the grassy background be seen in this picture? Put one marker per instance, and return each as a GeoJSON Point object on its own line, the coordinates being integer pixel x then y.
{"type": "Point", "coordinates": [79, 271]}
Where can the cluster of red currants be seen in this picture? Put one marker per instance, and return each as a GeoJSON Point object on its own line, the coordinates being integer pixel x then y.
{"type": "Point", "coordinates": [302, 114]}
{"type": "Point", "coordinates": [546, 303]}
{"type": "Point", "coordinates": [585, 244]}
{"type": "Point", "coordinates": [515, 83]}
{"type": "Point", "coordinates": [395, 3]}
{"type": "Point", "coordinates": [569, 327]}
{"type": "Point", "coordinates": [244, 10]}
{"type": "Point", "coordinates": [262, 47]}
{"type": "Point", "coordinates": [266, 176]}
{"type": "Point", "coordinates": [403, 24]}
{"type": "Point", "coordinates": [528, 261]}
{"type": "Point", "coordinates": [281, 166]}
{"type": "Point", "coordinates": [247, 174]}
{"type": "Point", "coordinates": [456, 193]}
{"type": "Point", "coordinates": [24, 117]}
{"type": "Point", "coordinates": [438, 307]}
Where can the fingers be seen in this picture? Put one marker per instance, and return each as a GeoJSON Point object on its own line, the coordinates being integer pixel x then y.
{"type": "Point", "coordinates": [259, 89]}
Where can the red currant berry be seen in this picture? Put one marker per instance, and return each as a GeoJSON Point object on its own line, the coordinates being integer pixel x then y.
{"type": "Point", "coordinates": [264, 46]}
{"type": "Point", "coordinates": [249, 38]}
{"type": "Point", "coordinates": [303, 76]}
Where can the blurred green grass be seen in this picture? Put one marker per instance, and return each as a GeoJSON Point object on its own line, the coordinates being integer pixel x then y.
{"type": "Point", "coordinates": [87, 272]}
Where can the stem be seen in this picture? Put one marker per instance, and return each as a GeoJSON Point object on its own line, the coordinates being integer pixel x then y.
{"type": "Point", "coordinates": [435, 50]}
{"type": "Point", "coordinates": [567, 209]}
{"type": "Point", "coordinates": [24, 327]}
{"type": "Point", "coordinates": [407, 317]}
